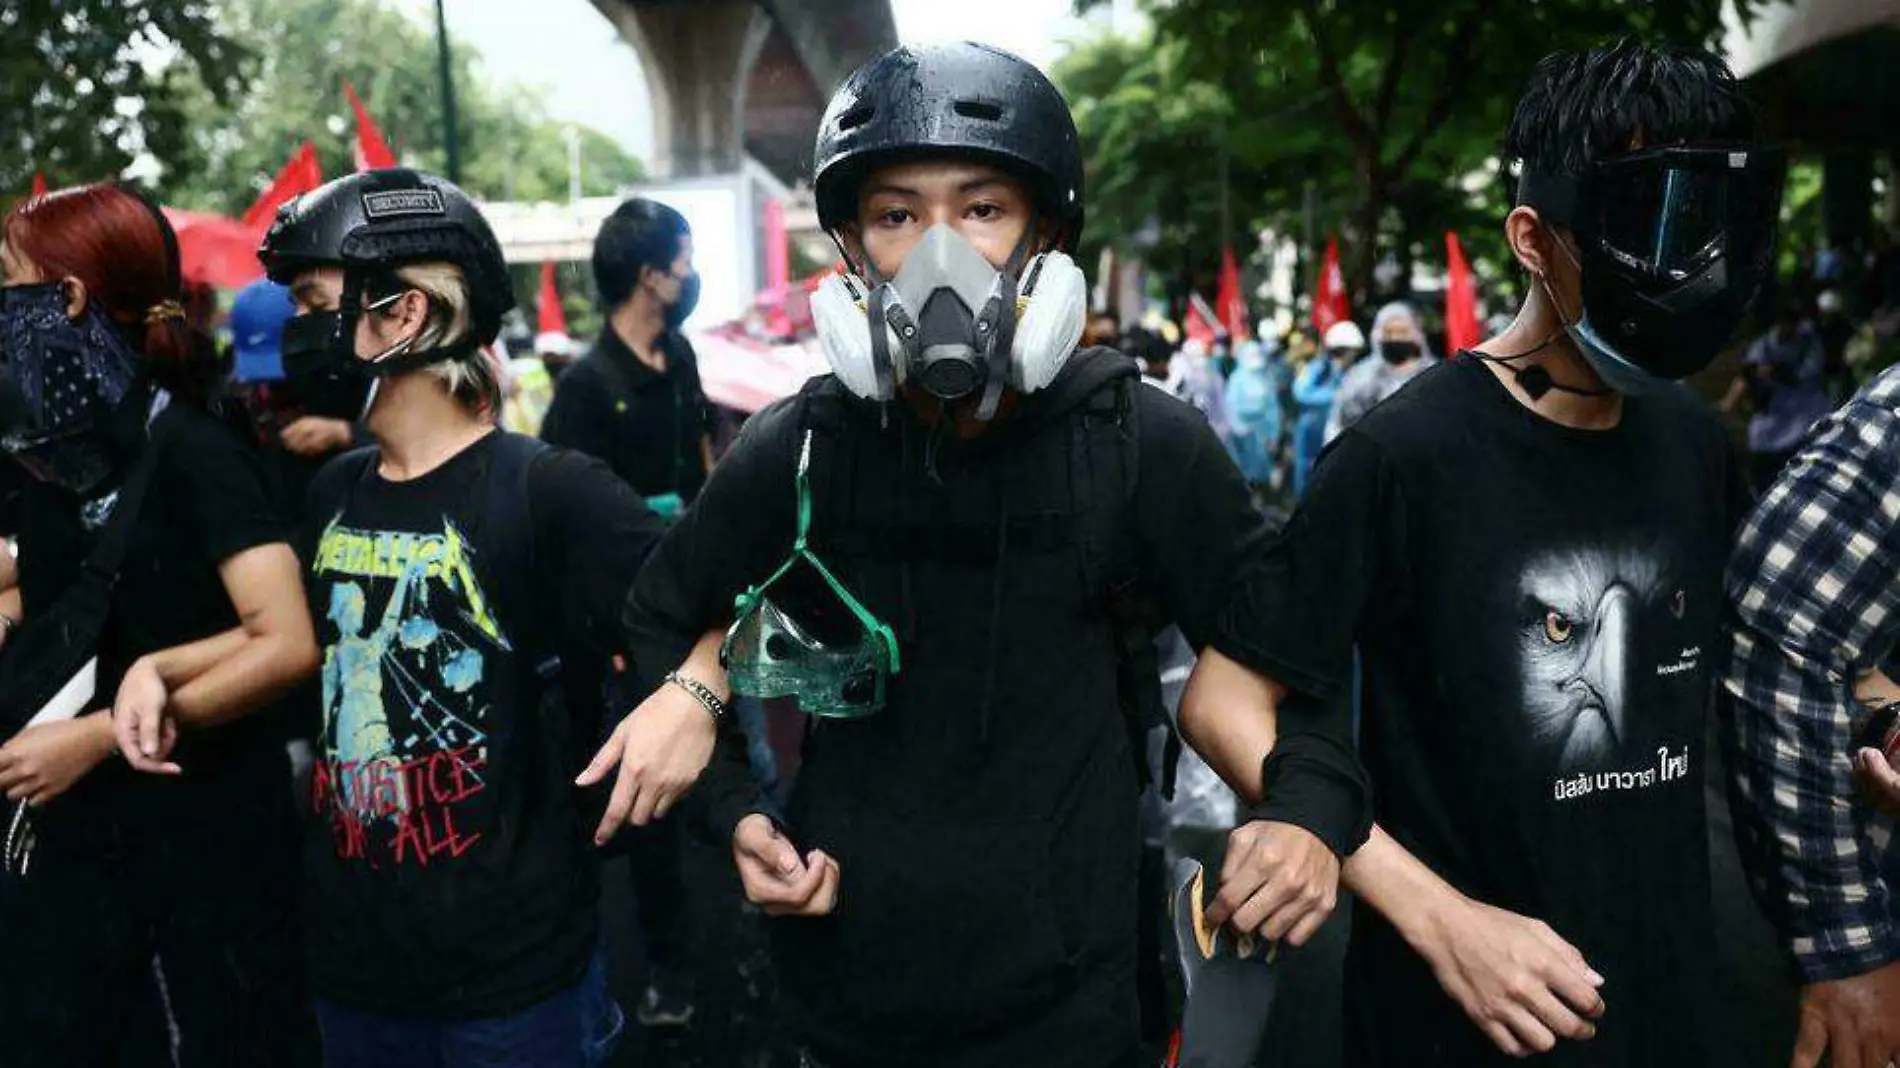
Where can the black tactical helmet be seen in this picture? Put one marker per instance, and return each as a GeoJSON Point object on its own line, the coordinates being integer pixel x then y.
{"type": "Point", "coordinates": [384, 219]}
{"type": "Point", "coordinates": [964, 98]}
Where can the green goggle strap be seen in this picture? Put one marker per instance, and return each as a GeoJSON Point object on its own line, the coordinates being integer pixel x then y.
{"type": "Point", "coordinates": [801, 550]}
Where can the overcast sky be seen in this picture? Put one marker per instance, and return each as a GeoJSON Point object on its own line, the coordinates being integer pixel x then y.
{"type": "Point", "coordinates": [568, 49]}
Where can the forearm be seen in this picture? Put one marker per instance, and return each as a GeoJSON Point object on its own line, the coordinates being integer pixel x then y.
{"type": "Point", "coordinates": [257, 670]}
{"type": "Point", "coordinates": [1289, 757]}
{"type": "Point", "coordinates": [1411, 897]}
{"type": "Point", "coordinates": [183, 664]}
{"type": "Point", "coordinates": [1230, 716]}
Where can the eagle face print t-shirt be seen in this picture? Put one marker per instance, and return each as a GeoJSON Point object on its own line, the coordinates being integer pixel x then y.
{"type": "Point", "coordinates": [1535, 609]}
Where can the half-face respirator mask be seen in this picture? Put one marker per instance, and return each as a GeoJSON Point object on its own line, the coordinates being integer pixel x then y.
{"type": "Point", "coordinates": [951, 325]}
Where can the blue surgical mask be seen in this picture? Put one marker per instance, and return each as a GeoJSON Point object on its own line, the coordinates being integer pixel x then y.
{"type": "Point", "coordinates": [60, 381]}
{"type": "Point", "coordinates": [1617, 370]}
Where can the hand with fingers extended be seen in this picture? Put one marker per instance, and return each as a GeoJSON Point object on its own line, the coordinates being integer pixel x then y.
{"type": "Point", "coordinates": [145, 731]}
{"type": "Point", "coordinates": [660, 749]}
{"type": "Point", "coordinates": [1519, 982]}
{"type": "Point", "coordinates": [1853, 1022]}
{"type": "Point", "coordinates": [42, 762]}
{"type": "Point", "coordinates": [1279, 881]}
{"type": "Point", "coordinates": [776, 878]}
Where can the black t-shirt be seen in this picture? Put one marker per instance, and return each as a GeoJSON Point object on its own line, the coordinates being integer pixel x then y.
{"type": "Point", "coordinates": [985, 819]}
{"type": "Point", "coordinates": [1536, 609]}
{"type": "Point", "coordinates": [452, 875]}
{"type": "Point", "coordinates": [207, 503]}
{"type": "Point", "coordinates": [647, 425]}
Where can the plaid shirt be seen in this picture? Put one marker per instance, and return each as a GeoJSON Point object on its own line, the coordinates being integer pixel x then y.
{"type": "Point", "coordinates": [1813, 589]}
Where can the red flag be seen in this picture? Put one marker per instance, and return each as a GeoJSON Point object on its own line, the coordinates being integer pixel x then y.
{"type": "Point", "coordinates": [299, 176]}
{"type": "Point", "coordinates": [1329, 301]}
{"type": "Point", "coordinates": [372, 152]}
{"type": "Point", "coordinates": [1461, 299]}
{"type": "Point", "coordinates": [1228, 301]}
{"type": "Point", "coordinates": [215, 250]}
{"type": "Point", "coordinates": [553, 318]}
{"type": "Point", "coordinates": [39, 184]}
{"type": "Point", "coordinates": [1199, 324]}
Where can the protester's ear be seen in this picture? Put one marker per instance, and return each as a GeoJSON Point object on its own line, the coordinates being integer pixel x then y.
{"type": "Point", "coordinates": [1530, 240]}
{"type": "Point", "coordinates": [76, 296]}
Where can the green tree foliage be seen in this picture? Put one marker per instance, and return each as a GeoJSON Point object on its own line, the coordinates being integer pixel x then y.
{"type": "Point", "coordinates": [79, 88]}
{"type": "Point", "coordinates": [1392, 110]}
{"type": "Point", "coordinates": [306, 50]}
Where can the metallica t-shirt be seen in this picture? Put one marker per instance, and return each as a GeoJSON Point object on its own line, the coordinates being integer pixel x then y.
{"type": "Point", "coordinates": [451, 873]}
{"type": "Point", "coordinates": [1536, 609]}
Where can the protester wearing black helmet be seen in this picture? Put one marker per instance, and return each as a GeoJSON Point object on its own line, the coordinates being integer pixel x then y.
{"type": "Point", "coordinates": [980, 526]}
{"type": "Point", "coordinates": [465, 582]}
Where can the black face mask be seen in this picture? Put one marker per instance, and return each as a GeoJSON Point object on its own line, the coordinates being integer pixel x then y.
{"type": "Point", "coordinates": [326, 385]}
{"type": "Point", "coordinates": [1396, 352]}
{"type": "Point", "coordinates": [61, 382]}
{"type": "Point", "coordinates": [683, 305]}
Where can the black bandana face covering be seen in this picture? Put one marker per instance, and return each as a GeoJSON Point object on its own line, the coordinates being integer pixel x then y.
{"type": "Point", "coordinates": [60, 380]}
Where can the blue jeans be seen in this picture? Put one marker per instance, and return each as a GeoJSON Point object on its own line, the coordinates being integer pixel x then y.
{"type": "Point", "coordinates": [576, 1029]}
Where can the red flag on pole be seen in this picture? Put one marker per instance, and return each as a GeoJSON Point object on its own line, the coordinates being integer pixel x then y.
{"type": "Point", "coordinates": [299, 176]}
{"type": "Point", "coordinates": [551, 332]}
{"type": "Point", "coordinates": [39, 184]}
{"type": "Point", "coordinates": [1329, 300]}
{"type": "Point", "coordinates": [1199, 325]}
{"type": "Point", "coordinates": [1461, 299]}
{"type": "Point", "coordinates": [1228, 302]}
{"type": "Point", "coordinates": [372, 152]}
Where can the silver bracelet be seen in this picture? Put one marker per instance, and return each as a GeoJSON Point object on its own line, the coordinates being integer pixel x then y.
{"type": "Point", "coordinates": [701, 692]}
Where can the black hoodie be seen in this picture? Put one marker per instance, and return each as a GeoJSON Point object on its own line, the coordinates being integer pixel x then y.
{"type": "Point", "coordinates": [985, 821]}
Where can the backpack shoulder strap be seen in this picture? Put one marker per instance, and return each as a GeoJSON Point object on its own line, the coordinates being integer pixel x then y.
{"type": "Point", "coordinates": [1107, 465]}
{"type": "Point", "coordinates": [507, 539]}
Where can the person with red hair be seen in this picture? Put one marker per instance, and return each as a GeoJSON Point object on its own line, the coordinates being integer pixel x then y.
{"type": "Point", "coordinates": [181, 884]}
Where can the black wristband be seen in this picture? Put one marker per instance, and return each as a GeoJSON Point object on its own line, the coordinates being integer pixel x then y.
{"type": "Point", "coordinates": [1315, 783]}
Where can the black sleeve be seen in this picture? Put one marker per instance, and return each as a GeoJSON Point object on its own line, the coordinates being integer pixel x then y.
{"type": "Point", "coordinates": [737, 531]}
{"type": "Point", "coordinates": [224, 487]}
{"type": "Point", "coordinates": [1297, 613]}
{"type": "Point", "coordinates": [577, 417]}
{"type": "Point", "coordinates": [1195, 519]}
{"type": "Point", "coordinates": [600, 533]}
{"type": "Point", "coordinates": [1296, 616]}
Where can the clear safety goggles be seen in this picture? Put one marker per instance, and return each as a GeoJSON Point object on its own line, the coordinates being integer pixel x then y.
{"type": "Point", "coordinates": [768, 653]}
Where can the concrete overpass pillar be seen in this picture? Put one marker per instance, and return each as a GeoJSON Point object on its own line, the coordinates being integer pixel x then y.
{"type": "Point", "coordinates": [698, 58]}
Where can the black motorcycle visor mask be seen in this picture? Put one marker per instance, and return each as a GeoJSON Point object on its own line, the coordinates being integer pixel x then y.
{"type": "Point", "coordinates": [1662, 216]}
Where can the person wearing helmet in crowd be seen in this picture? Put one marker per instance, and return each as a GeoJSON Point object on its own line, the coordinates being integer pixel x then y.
{"type": "Point", "coordinates": [1519, 559]}
{"type": "Point", "coordinates": [1399, 353]}
{"type": "Point", "coordinates": [954, 551]}
{"type": "Point", "coordinates": [464, 582]}
{"type": "Point", "coordinates": [1315, 391]}
{"type": "Point", "coordinates": [146, 530]}
{"type": "Point", "coordinates": [635, 400]}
